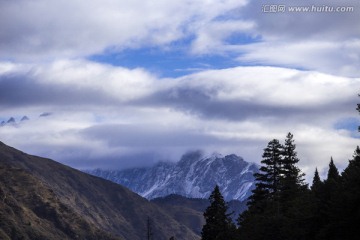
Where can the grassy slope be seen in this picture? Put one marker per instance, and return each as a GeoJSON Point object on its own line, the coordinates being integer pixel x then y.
{"type": "Point", "coordinates": [67, 202]}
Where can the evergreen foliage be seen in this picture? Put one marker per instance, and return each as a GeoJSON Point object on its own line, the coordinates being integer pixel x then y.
{"type": "Point", "coordinates": [292, 174]}
{"type": "Point", "coordinates": [330, 210]}
{"type": "Point", "coordinates": [282, 207]}
{"type": "Point", "coordinates": [292, 178]}
{"type": "Point", "coordinates": [316, 183]}
{"type": "Point", "coordinates": [333, 173]}
{"type": "Point", "coordinates": [268, 179]}
{"type": "Point", "coordinates": [218, 224]}
{"type": "Point", "coordinates": [344, 216]}
{"type": "Point", "coordinates": [277, 207]}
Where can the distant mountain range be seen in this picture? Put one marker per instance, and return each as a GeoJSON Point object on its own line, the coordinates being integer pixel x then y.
{"type": "Point", "coordinates": [194, 176]}
{"type": "Point", "coordinates": [12, 121]}
{"type": "Point", "coordinates": [43, 199]}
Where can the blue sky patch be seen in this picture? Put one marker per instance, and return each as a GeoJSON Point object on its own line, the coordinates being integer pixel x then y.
{"type": "Point", "coordinates": [165, 63]}
{"type": "Point", "coordinates": [242, 39]}
{"type": "Point", "coordinates": [350, 124]}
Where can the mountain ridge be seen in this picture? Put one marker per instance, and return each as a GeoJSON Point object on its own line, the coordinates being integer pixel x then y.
{"type": "Point", "coordinates": [194, 176]}
{"type": "Point", "coordinates": [43, 199]}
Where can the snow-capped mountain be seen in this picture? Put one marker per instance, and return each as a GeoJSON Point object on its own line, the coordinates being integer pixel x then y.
{"type": "Point", "coordinates": [193, 176]}
{"type": "Point", "coordinates": [12, 121]}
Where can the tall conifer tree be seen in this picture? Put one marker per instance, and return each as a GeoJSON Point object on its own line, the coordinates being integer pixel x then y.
{"type": "Point", "coordinates": [218, 224]}
{"type": "Point", "coordinates": [345, 216]}
{"type": "Point", "coordinates": [274, 208]}
{"type": "Point", "coordinates": [316, 183]}
{"type": "Point", "coordinates": [330, 211]}
{"type": "Point", "coordinates": [333, 172]}
{"type": "Point", "coordinates": [291, 172]}
{"type": "Point", "coordinates": [261, 218]}
{"type": "Point", "coordinates": [291, 177]}
{"type": "Point", "coordinates": [268, 179]}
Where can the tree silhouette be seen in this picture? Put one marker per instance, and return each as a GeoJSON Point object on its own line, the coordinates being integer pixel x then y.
{"type": "Point", "coordinates": [329, 211]}
{"type": "Point", "coordinates": [344, 216]}
{"type": "Point", "coordinates": [268, 179]}
{"type": "Point", "coordinates": [333, 173]}
{"type": "Point", "coordinates": [291, 181]}
{"type": "Point", "coordinates": [218, 224]}
{"type": "Point", "coordinates": [292, 174]}
{"type": "Point", "coordinates": [316, 180]}
{"type": "Point", "coordinates": [279, 200]}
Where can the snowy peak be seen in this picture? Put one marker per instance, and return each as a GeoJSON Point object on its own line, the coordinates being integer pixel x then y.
{"type": "Point", "coordinates": [24, 118]}
{"type": "Point", "coordinates": [193, 176]}
{"type": "Point", "coordinates": [12, 121]}
{"type": "Point", "coordinates": [16, 123]}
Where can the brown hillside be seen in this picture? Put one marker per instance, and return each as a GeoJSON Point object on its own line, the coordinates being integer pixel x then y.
{"type": "Point", "coordinates": [43, 199]}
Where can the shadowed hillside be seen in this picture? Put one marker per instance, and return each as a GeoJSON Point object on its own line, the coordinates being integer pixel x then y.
{"type": "Point", "coordinates": [42, 199]}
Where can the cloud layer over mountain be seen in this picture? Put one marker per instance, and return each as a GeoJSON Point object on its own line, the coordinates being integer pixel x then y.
{"type": "Point", "coordinates": [105, 114]}
{"type": "Point", "coordinates": [287, 71]}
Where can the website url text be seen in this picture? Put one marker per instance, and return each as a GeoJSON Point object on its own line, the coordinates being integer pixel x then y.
{"type": "Point", "coordinates": [278, 8]}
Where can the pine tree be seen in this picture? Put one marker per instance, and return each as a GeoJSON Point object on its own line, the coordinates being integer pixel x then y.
{"type": "Point", "coordinates": [280, 199]}
{"type": "Point", "coordinates": [268, 179]}
{"type": "Point", "coordinates": [316, 180]}
{"type": "Point", "coordinates": [291, 172]}
{"type": "Point", "coordinates": [355, 162]}
{"type": "Point", "coordinates": [330, 211]}
{"type": "Point", "coordinates": [317, 219]}
{"type": "Point", "coordinates": [291, 177]}
{"type": "Point", "coordinates": [344, 217]}
{"type": "Point", "coordinates": [316, 183]}
{"type": "Point", "coordinates": [218, 224]}
{"type": "Point", "coordinates": [263, 214]}
{"type": "Point", "coordinates": [344, 214]}
{"type": "Point", "coordinates": [327, 201]}
{"type": "Point", "coordinates": [333, 173]}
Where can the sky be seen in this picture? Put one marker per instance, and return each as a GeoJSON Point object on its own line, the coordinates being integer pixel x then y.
{"type": "Point", "coordinates": [116, 84]}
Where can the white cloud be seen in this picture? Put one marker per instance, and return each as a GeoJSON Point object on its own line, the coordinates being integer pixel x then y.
{"type": "Point", "coordinates": [57, 29]}
{"type": "Point", "coordinates": [72, 84]}
{"type": "Point", "coordinates": [273, 86]}
{"type": "Point", "coordinates": [48, 30]}
{"type": "Point", "coordinates": [95, 122]}
{"type": "Point", "coordinates": [115, 82]}
{"type": "Point", "coordinates": [212, 36]}
{"type": "Point", "coordinates": [324, 42]}
{"type": "Point", "coordinates": [334, 57]}
{"type": "Point", "coordinates": [103, 113]}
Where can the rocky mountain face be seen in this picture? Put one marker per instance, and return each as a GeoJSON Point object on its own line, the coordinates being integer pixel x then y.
{"type": "Point", "coordinates": [193, 176]}
{"type": "Point", "coordinates": [42, 199]}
